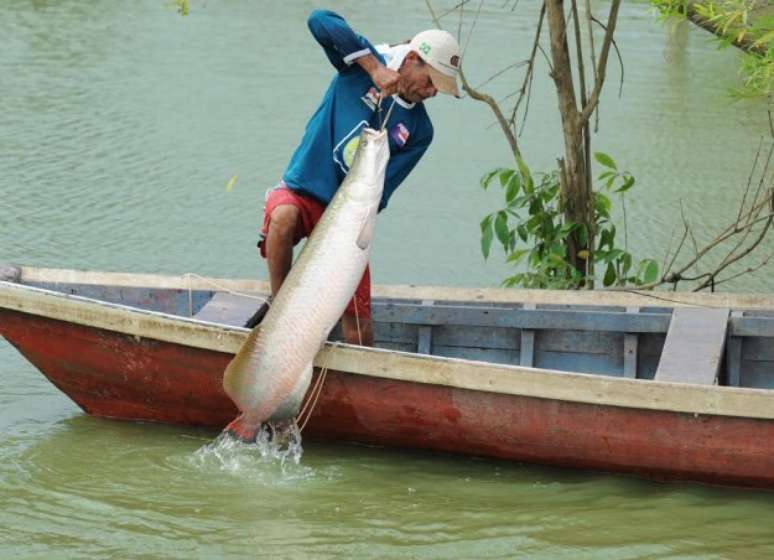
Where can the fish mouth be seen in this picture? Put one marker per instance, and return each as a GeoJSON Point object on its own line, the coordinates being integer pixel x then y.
{"type": "Point", "coordinates": [373, 134]}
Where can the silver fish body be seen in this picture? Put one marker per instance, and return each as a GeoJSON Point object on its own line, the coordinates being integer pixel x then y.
{"type": "Point", "coordinates": [271, 373]}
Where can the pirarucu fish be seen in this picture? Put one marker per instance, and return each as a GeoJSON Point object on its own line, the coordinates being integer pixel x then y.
{"type": "Point", "coordinates": [269, 376]}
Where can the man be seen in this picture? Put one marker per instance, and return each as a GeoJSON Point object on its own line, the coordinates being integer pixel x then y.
{"type": "Point", "coordinates": [402, 76]}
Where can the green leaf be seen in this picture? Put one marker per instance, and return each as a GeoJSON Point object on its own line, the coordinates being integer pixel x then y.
{"type": "Point", "coordinates": [522, 231]}
{"type": "Point", "coordinates": [628, 183]}
{"type": "Point", "coordinates": [605, 160]}
{"type": "Point", "coordinates": [626, 259]}
{"type": "Point", "coordinates": [609, 278]}
{"type": "Point", "coordinates": [613, 254]}
{"type": "Point", "coordinates": [501, 229]}
{"type": "Point", "coordinates": [512, 189]}
{"type": "Point", "coordinates": [651, 271]}
{"type": "Point", "coordinates": [505, 176]}
{"type": "Point", "coordinates": [487, 234]}
{"type": "Point", "coordinates": [517, 255]}
{"type": "Point", "coordinates": [529, 185]}
{"type": "Point", "coordinates": [487, 177]}
{"type": "Point", "coordinates": [231, 182]}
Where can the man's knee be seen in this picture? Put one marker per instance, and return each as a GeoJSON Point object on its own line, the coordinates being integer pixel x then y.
{"type": "Point", "coordinates": [284, 221]}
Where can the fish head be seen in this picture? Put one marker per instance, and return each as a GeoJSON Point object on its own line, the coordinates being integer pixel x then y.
{"type": "Point", "coordinates": [365, 180]}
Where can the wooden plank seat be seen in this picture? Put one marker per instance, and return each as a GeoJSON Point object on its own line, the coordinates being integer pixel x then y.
{"type": "Point", "coordinates": [694, 346]}
{"type": "Point", "coordinates": [229, 309]}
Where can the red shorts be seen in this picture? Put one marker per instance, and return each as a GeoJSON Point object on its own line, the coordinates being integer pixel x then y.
{"type": "Point", "coordinates": [310, 213]}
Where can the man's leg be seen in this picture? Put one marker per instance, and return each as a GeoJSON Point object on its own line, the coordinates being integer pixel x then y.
{"type": "Point", "coordinates": [279, 244]}
{"type": "Point", "coordinates": [280, 230]}
{"type": "Point", "coordinates": [357, 330]}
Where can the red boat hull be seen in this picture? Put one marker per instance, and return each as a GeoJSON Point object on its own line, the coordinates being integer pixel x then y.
{"type": "Point", "coordinates": [114, 375]}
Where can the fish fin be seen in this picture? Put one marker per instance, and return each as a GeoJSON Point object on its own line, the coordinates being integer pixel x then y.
{"type": "Point", "coordinates": [366, 234]}
{"type": "Point", "coordinates": [243, 429]}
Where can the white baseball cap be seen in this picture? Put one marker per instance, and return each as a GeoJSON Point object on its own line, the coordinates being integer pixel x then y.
{"type": "Point", "coordinates": [440, 50]}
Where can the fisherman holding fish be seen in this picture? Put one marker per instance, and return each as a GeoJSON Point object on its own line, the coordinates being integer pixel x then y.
{"type": "Point", "coordinates": [371, 83]}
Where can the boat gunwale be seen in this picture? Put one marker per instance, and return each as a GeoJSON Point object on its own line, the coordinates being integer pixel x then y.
{"type": "Point", "coordinates": [457, 373]}
{"type": "Point", "coordinates": [612, 298]}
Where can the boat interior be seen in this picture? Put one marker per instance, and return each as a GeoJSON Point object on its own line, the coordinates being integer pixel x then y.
{"type": "Point", "coordinates": [697, 344]}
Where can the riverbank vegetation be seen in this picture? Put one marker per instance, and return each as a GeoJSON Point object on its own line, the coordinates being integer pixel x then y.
{"type": "Point", "coordinates": [745, 24]}
{"type": "Point", "coordinates": [556, 227]}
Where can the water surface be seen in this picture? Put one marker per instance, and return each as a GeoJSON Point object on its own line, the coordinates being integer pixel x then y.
{"type": "Point", "coordinates": [120, 124]}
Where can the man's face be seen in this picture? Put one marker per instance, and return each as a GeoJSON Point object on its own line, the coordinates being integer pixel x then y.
{"type": "Point", "coordinates": [415, 83]}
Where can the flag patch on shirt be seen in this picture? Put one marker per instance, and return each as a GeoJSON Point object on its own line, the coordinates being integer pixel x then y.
{"type": "Point", "coordinates": [371, 98]}
{"type": "Point", "coordinates": [400, 134]}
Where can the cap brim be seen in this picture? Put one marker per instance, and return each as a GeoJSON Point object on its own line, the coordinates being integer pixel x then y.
{"type": "Point", "coordinates": [443, 83]}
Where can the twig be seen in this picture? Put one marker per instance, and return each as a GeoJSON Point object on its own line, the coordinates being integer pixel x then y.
{"type": "Point", "coordinates": [450, 11]}
{"type": "Point", "coordinates": [617, 53]}
{"type": "Point", "coordinates": [602, 64]}
{"type": "Point", "coordinates": [501, 72]}
{"type": "Point", "coordinates": [479, 96]}
{"type": "Point", "coordinates": [590, 31]}
{"type": "Point", "coordinates": [472, 28]}
{"type": "Point", "coordinates": [527, 84]}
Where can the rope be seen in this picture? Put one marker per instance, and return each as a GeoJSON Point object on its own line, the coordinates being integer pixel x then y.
{"type": "Point", "coordinates": [314, 394]}
{"type": "Point", "coordinates": [220, 287]}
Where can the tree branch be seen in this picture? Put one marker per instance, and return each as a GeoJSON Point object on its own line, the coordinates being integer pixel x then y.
{"type": "Point", "coordinates": [602, 64]}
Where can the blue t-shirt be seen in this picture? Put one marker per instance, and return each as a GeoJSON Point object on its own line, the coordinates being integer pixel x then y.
{"type": "Point", "coordinates": [330, 140]}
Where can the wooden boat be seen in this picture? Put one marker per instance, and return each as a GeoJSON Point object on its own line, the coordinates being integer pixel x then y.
{"type": "Point", "coordinates": [660, 385]}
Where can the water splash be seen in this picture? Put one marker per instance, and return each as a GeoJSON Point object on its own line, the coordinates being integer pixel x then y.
{"type": "Point", "coordinates": [274, 458]}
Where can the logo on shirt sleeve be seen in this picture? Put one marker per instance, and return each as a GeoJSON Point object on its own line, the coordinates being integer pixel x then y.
{"type": "Point", "coordinates": [371, 98]}
{"type": "Point", "coordinates": [400, 134]}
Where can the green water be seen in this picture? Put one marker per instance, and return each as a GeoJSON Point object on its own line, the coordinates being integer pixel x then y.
{"type": "Point", "coordinates": [120, 124]}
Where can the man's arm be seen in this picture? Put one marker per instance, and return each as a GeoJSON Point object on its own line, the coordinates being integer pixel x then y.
{"type": "Point", "coordinates": [343, 47]}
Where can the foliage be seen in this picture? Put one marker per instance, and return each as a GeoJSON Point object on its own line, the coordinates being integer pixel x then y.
{"type": "Point", "coordinates": [533, 230]}
{"type": "Point", "coordinates": [733, 22]}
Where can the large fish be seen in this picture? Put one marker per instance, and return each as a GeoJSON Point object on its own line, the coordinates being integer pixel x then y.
{"type": "Point", "coordinates": [271, 373]}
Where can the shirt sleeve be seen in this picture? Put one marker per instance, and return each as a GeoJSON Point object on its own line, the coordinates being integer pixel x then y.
{"type": "Point", "coordinates": [341, 44]}
{"type": "Point", "coordinates": [401, 164]}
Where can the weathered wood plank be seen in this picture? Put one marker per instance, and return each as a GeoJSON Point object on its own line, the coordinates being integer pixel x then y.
{"type": "Point", "coordinates": [228, 309]}
{"type": "Point", "coordinates": [734, 356]}
{"type": "Point", "coordinates": [758, 349]}
{"type": "Point", "coordinates": [759, 375]}
{"type": "Point", "coordinates": [751, 326]}
{"type": "Point", "coordinates": [534, 319]}
{"type": "Point", "coordinates": [630, 350]}
{"type": "Point", "coordinates": [424, 339]}
{"type": "Point", "coordinates": [527, 356]}
{"type": "Point", "coordinates": [500, 295]}
{"type": "Point", "coordinates": [694, 346]}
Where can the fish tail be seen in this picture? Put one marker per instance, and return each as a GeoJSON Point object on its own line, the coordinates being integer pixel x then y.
{"type": "Point", "coordinates": [243, 429]}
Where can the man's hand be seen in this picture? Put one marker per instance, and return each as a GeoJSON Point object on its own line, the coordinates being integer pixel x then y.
{"type": "Point", "coordinates": [387, 80]}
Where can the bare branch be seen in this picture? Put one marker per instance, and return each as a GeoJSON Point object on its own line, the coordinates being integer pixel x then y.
{"type": "Point", "coordinates": [472, 28]}
{"type": "Point", "coordinates": [748, 270]}
{"type": "Point", "coordinates": [526, 85]}
{"type": "Point", "coordinates": [590, 31]}
{"type": "Point", "coordinates": [479, 96]}
{"type": "Point", "coordinates": [450, 11]}
{"type": "Point", "coordinates": [501, 72]}
{"type": "Point", "coordinates": [617, 53]}
{"type": "Point", "coordinates": [602, 64]}
{"type": "Point", "coordinates": [747, 251]}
